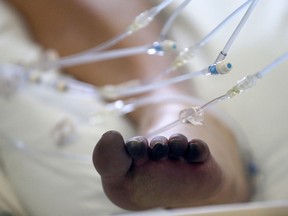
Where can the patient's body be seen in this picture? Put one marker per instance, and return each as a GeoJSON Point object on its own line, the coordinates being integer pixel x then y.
{"type": "Point", "coordinates": [200, 167]}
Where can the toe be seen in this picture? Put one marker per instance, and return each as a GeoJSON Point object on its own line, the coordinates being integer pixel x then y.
{"type": "Point", "coordinates": [110, 157]}
{"type": "Point", "coordinates": [178, 144]}
{"type": "Point", "coordinates": [158, 148]}
{"type": "Point", "coordinates": [197, 151]}
{"type": "Point", "coordinates": [137, 148]}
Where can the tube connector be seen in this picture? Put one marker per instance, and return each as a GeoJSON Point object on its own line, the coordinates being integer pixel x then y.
{"type": "Point", "coordinates": [243, 85]}
{"type": "Point", "coordinates": [221, 67]}
{"type": "Point", "coordinates": [162, 47]}
{"type": "Point", "coordinates": [142, 20]}
{"type": "Point", "coordinates": [193, 115]}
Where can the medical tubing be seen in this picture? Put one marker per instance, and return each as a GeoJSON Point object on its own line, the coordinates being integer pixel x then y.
{"type": "Point", "coordinates": [103, 46]}
{"type": "Point", "coordinates": [159, 75]}
{"type": "Point", "coordinates": [200, 109]}
{"type": "Point", "coordinates": [172, 18]}
{"type": "Point", "coordinates": [81, 88]}
{"type": "Point", "coordinates": [188, 52]}
{"type": "Point", "coordinates": [162, 5]}
{"type": "Point", "coordinates": [134, 103]}
{"type": "Point", "coordinates": [100, 56]}
{"type": "Point", "coordinates": [180, 121]}
{"type": "Point", "coordinates": [275, 63]}
{"type": "Point", "coordinates": [213, 102]}
{"type": "Point", "coordinates": [234, 35]}
{"type": "Point", "coordinates": [109, 43]}
{"type": "Point", "coordinates": [23, 147]}
{"type": "Point", "coordinates": [203, 41]}
{"type": "Point", "coordinates": [148, 87]}
{"type": "Point", "coordinates": [249, 81]}
{"type": "Point", "coordinates": [162, 129]}
{"type": "Point", "coordinates": [258, 75]}
{"type": "Point", "coordinates": [144, 19]}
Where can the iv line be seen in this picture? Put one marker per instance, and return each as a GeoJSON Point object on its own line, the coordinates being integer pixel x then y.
{"type": "Point", "coordinates": [102, 56]}
{"type": "Point", "coordinates": [189, 52]}
{"type": "Point", "coordinates": [114, 92]}
{"type": "Point", "coordinates": [111, 92]}
{"type": "Point", "coordinates": [99, 56]}
{"type": "Point", "coordinates": [172, 18]}
{"type": "Point", "coordinates": [195, 115]}
{"type": "Point", "coordinates": [122, 107]}
{"type": "Point", "coordinates": [124, 90]}
{"type": "Point", "coordinates": [222, 55]}
{"type": "Point", "coordinates": [20, 145]}
{"type": "Point", "coordinates": [26, 149]}
{"type": "Point", "coordinates": [140, 22]}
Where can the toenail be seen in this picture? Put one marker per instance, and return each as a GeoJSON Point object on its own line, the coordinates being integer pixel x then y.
{"type": "Point", "coordinates": [158, 148]}
{"type": "Point", "coordinates": [197, 151]}
{"type": "Point", "coordinates": [137, 147]}
{"type": "Point", "coordinates": [178, 144]}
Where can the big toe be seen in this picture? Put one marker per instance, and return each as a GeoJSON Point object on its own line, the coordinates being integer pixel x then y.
{"type": "Point", "coordinates": [110, 157]}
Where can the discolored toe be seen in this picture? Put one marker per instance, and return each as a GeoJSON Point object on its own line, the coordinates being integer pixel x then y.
{"type": "Point", "coordinates": [178, 144]}
{"type": "Point", "coordinates": [197, 151]}
{"type": "Point", "coordinates": [110, 157]}
{"type": "Point", "coordinates": [137, 148]}
{"type": "Point", "coordinates": [158, 148]}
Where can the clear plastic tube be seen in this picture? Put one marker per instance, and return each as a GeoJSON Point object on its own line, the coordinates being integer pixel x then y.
{"type": "Point", "coordinates": [141, 21]}
{"type": "Point", "coordinates": [193, 116]}
{"type": "Point", "coordinates": [213, 102]}
{"type": "Point", "coordinates": [172, 18]}
{"type": "Point", "coordinates": [122, 107]}
{"type": "Point", "coordinates": [15, 144]}
{"type": "Point", "coordinates": [98, 56]}
{"type": "Point", "coordinates": [236, 32]}
{"type": "Point", "coordinates": [203, 41]}
{"type": "Point", "coordinates": [15, 77]}
{"type": "Point", "coordinates": [163, 129]}
{"type": "Point", "coordinates": [133, 104]}
{"type": "Point", "coordinates": [249, 81]}
{"type": "Point", "coordinates": [274, 64]}
{"type": "Point", "coordinates": [115, 92]}
{"type": "Point", "coordinates": [152, 13]}
{"type": "Point", "coordinates": [189, 52]}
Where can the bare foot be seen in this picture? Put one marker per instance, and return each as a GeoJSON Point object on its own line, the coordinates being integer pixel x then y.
{"type": "Point", "coordinates": [138, 171]}
{"type": "Point", "coordinates": [169, 172]}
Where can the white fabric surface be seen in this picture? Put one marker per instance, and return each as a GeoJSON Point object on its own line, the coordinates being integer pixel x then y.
{"type": "Point", "coordinates": [73, 188]}
{"type": "Point", "coordinates": [44, 184]}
